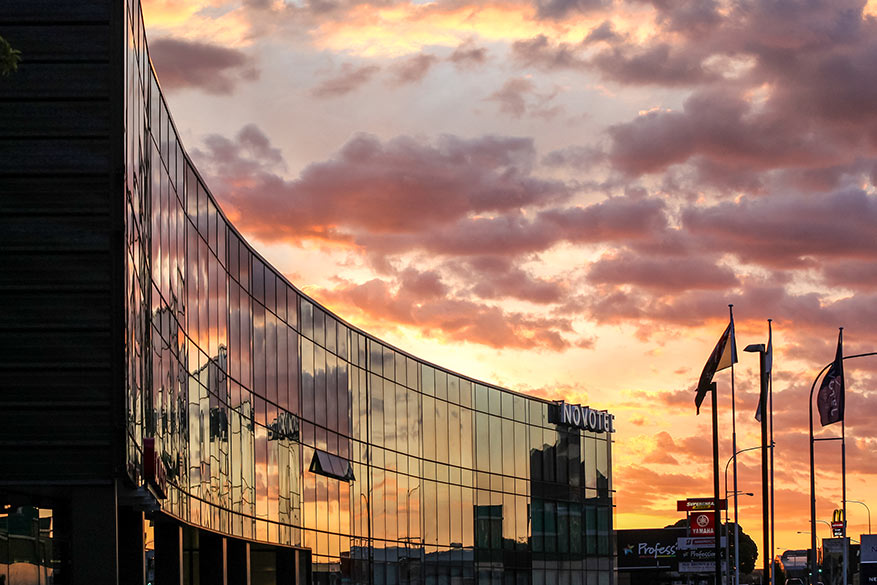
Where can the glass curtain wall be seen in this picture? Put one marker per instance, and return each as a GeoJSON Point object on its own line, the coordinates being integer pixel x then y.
{"type": "Point", "coordinates": [422, 476]}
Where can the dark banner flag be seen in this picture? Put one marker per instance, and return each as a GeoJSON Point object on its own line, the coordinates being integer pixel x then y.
{"type": "Point", "coordinates": [768, 368]}
{"type": "Point", "coordinates": [830, 399]}
{"type": "Point", "coordinates": [724, 354]}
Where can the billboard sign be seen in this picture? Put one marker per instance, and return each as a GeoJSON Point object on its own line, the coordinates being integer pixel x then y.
{"type": "Point", "coordinates": [868, 566]}
{"type": "Point", "coordinates": [653, 548]}
{"type": "Point", "coordinates": [692, 543]}
{"type": "Point", "coordinates": [700, 566]}
{"type": "Point", "coordinates": [702, 524]}
{"type": "Point", "coordinates": [581, 417]}
{"type": "Point", "coordinates": [698, 554]}
{"type": "Point", "coordinates": [869, 548]}
{"type": "Point", "coordinates": [837, 523]}
{"type": "Point", "coordinates": [695, 504]}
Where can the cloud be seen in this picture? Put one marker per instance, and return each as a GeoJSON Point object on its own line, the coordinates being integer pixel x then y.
{"type": "Point", "coordinates": [413, 69]}
{"type": "Point", "coordinates": [717, 125]}
{"type": "Point", "coordinates": [692, 18]}
{"type": "Point", "coordinates": [560, 9]}
{"type": "Point", "coordinates": [788, 231]}
{"type": "Point", "coordinates": [518, 96]}
{"type": "Point", "coordinates": [578, 157]}
{"type": "Point", "coordinates": [661, 64]}
{"type": "Point", "coordinates": [604, 32]}
{"type": "Point", "coordinates": [402, 187]}
{"type": "Point", "coordinates": [855, 274]}
{"type": "Point", "coordinates": [348, 80]}
{"type": "Point", "coordinates": [467, 55]}
{"type": "Point", "coordinates": [501, 278]}
{"type": "Point", "coordinates": [250, 152]}
{"type": "Point", "coordinates": [662, 275]}
{"type": "Point", "coordinates": [539, 52]}
{"type": "Point", "coordinates": [192, 64]}
{"type": "Point", "coordinates": [452, 319]}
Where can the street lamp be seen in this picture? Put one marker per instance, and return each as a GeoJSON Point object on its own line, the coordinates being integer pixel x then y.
{"type": "Point", "coordinates": [736, 537]}
{"type": "Point", "coordinates": [732, 494]}
{"type": "Point", "coordinates": [866, 507]}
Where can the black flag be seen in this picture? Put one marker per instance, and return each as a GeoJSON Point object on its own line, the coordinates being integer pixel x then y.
{"type": "Point", "coordinates": [723, 355]}
{"type": "Point", "coordinates": [830, 399]}
{"type": "Point", "coordinates": [768, 368]}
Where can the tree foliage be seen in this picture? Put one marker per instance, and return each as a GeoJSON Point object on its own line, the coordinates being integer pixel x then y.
{"type": "Point", "coordinates": [9, 58]}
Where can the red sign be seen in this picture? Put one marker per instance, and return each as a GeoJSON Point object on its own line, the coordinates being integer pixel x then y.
{"type": "Point", "coordinates": [154, 471]}
{"type": "Point", "coordinates": [702, 523]}
{"type": "Point", "coordinates": [693, 504]}
{"type": "Point", "coordinates": [837, 528]}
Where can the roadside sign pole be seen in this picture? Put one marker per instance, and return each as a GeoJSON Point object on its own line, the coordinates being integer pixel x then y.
{"type": "Point", "coordinates": [765, 494]}
{"type": "Point", "coordinates": [716, 480]}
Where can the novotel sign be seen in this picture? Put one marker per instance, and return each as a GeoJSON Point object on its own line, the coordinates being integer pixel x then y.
{"type": "Point", "coordinates": [582, 417]}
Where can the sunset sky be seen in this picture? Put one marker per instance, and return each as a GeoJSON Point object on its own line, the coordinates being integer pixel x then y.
{"type": "Point", "coordinates": [562, 197]}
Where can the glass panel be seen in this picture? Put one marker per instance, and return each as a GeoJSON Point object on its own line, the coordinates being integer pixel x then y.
{"type": "Point", "coordinates": [427, 382]}
{"type": "Point", "coordinates": [441, 384]}
{"type": "Point", "coordinates": [481, 401]}
{"type": "Point", "coordinates": [441, 431]}
{"type": "Point", "coordinates": [454, 433]}
{"type": "Point", "coordinates": [429, 427]}
{"type": "Point", "coordinates": [482, 441]}
{"type": "Point", "coordinates": [496, 450]}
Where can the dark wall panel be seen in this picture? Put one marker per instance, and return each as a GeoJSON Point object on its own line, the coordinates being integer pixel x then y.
{"type": "Point", "coordinates": [60, 43]}
{"type": "Point", "coordinates": [61, 343]}
{"type": "Point", "coordinates": [43, 11]}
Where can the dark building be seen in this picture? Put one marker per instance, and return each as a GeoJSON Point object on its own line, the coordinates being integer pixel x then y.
{"type": "Point", "coordinates": [172, 410]}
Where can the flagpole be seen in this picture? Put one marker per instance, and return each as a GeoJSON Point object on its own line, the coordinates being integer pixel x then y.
{"type": "Point", "coordinates": [762, 359]}
{"type": "Point", "coordinates": [842, 358]}
{"type": "Point", "coordinates": [843, 466]}
{"type": "Point", "coordinates": [717, 534]}
{"type": "Point", "coordinates": [813, 564]}
{"type": "Point", "coordinates": [772, 449]}
{"type": "Point", "coordinates": [734, 450]}
{"type": "Point", "coordinates": [843, 472]}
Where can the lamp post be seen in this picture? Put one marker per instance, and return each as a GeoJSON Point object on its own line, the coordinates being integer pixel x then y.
{"type": "Point", "coordinates": [866, 507]}
{"type": "Point", "coordinates": [762, 416]}
{"type": "Point", "coordinates": [736, 537]}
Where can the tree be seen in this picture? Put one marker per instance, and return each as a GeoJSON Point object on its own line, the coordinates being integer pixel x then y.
{"type": "Point", "coordinates": [748, 549]}
{"type": "Point", "coordinates": [9, 58]}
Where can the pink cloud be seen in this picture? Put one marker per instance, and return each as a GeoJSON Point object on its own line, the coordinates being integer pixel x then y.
{"type": "Point", "coordinates": [663, 275]}
{"type": "Point", "coordinates": [453, 319]}
{"type": "Point", "coordinates": [192, 64]}
{"type": "Point", "coordinates": [348, 80]}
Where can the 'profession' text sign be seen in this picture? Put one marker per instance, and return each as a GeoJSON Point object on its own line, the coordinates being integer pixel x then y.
{"type": "Point", "coordinates": [582, 417]}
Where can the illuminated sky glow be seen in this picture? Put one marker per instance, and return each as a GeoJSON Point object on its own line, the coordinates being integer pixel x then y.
{"type": "Point", "coordinates": [562, 197]}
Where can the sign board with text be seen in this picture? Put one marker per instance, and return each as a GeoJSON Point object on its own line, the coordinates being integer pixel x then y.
{"type": "Point", "coordinates": [702, 523]}
{"type": "Point", "coordinates": [868, 567]}
{"type": "Point", "coordinates": [692, 543]}
{"type": "Point", "coordinates": [695, 504]}
{"type": "Point", "coordinates": [698, 554]}
{"type": "Point", "coordinates": [701, 566]}
{"type": "Point", "coordinates": [652, 548]}
{"type": "Point", "coordinates": [869, 548]}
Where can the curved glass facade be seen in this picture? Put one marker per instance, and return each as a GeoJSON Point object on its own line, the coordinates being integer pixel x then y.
{"type": "Point", "coordinates": [277, 422]}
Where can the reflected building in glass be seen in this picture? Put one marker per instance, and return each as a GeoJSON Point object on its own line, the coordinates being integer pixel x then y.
{"type": "Point", "coordinates": [252, 421]}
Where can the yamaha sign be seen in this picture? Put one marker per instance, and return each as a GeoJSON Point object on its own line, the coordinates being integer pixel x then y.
{"type": "Point", "coordinates": [582, 417]}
